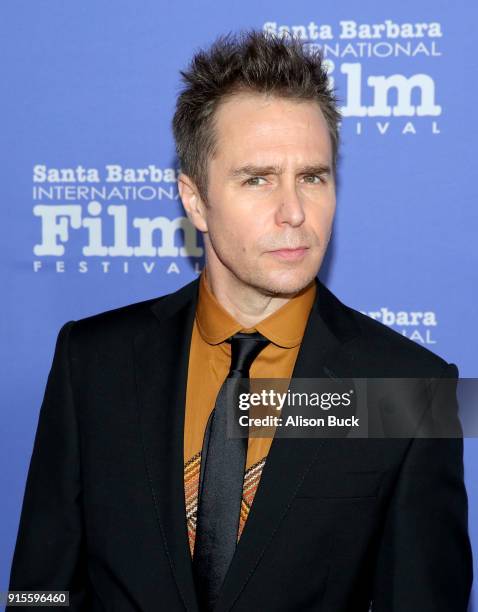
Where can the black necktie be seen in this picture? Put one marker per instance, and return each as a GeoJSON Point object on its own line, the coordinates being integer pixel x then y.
{"type": "Point", "coordinates": [223, 461]}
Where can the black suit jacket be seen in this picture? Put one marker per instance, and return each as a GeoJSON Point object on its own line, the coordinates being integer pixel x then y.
{"type": "Point", "coordinates": [335, 524]}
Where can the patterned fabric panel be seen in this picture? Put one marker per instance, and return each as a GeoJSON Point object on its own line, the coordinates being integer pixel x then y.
{"type": "Point", "coordinates": [191, 486]}
{"type": "Point", "coordinates": [192, 469]}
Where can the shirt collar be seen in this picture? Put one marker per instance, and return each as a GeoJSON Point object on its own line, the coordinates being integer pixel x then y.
{"type": "Point", "coordinates": [284, 327]}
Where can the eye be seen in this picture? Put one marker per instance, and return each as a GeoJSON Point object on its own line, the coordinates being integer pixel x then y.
{"type": "Point", "coordinates": [253, 181]}
{"type": "Point", "coordinates": [313, 179]}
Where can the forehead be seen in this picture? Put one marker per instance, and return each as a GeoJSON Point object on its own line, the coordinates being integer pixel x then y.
{"type": "Point", "coordinates": [264, 128]}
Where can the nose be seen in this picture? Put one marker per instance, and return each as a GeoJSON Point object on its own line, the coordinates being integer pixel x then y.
{"type": "Point", "coordinates": [289, 207]}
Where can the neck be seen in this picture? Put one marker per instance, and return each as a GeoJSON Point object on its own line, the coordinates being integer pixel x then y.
{"type": "Point", "coordinates": [248, 305]}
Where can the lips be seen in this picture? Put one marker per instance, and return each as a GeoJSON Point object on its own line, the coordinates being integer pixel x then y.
{"type": "Point", "coordinates": [290, 254]}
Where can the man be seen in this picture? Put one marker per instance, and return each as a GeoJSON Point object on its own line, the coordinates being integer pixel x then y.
{"type": "Point", "coordinates": [136, 499]}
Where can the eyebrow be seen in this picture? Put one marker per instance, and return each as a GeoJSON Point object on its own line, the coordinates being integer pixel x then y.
{"type": "Point", "coordinates": [252, 170]}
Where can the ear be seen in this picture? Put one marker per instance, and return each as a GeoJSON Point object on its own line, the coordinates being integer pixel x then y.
{"type": "Point", "coordinates": [192, 202]}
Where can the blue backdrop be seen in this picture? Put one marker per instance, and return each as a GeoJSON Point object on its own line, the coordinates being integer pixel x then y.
{"type": "Point", "coordinates": [89, 92]}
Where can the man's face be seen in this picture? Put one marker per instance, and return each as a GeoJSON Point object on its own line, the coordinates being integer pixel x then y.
{"type": "Point", "coordinates": [271, 193]}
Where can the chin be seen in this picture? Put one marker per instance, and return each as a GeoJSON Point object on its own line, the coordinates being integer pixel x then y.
{"type": "Point", "coordinates": [285, 282]}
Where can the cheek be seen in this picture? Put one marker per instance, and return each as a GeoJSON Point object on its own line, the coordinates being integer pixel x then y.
{"type": "Point", "coordinates": [320, 218]}
{"type": "Point", "coordinates": [226, 233]}
{"type": "Point", "coordinates": [234, 225]}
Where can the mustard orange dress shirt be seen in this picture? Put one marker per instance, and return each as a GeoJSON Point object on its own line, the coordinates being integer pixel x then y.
{"type": "Point", "coordinates": [209, 363]}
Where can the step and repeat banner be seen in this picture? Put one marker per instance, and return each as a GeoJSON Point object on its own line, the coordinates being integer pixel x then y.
{"type": "Point", "coordinates": [90, 214]}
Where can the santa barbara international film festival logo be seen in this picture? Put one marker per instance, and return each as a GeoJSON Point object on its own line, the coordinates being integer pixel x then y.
{"type": "Point", "coordinates": [373, 67]}
{"type": "Point", "coordinates": [113, 219]}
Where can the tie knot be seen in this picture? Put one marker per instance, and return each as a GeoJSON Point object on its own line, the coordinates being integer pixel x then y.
{"type": "Point", "coordinates": [244, 349]}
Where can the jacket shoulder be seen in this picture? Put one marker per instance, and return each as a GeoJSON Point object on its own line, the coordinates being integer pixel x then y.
{"type": "Point", "coordinates": [382, 348]}
{"type": "Point", "coordinates": [132, 318]}
{"type": "Point", "coordinates": [399, 353]}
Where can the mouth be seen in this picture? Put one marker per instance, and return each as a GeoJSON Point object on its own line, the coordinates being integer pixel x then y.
{"type": "Point", "coordinates": [290, 254]}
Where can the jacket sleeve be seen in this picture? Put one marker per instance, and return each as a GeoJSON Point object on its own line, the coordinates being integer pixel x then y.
{"type": "Point", "coordinates": [50, 551]}
{"type": "Point", "coordinates": [425, 560]}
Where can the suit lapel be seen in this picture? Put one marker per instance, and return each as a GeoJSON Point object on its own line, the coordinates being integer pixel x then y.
{"type": "Point", "coordinates": [161, 357]}
{"type": "Point", "coordinates": [322, 354]}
